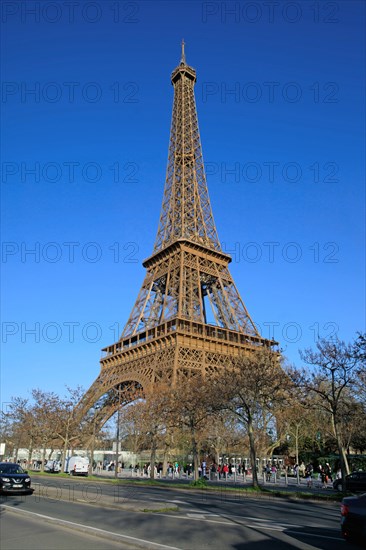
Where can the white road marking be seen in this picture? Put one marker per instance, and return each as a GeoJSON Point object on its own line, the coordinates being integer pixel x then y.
{"type": "Point", "coordinates": [94, 530]}
{"type": "Point", "coordinates": [270, 521]}
{"type": "Point", "coordinates": [262, 524]}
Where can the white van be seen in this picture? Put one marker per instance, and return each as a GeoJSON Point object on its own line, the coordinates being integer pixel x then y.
{"type": "Point", "coordinates": [77, 466]}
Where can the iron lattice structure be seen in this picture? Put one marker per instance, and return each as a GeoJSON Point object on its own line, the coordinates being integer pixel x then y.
{"type": "Point", "coordinates": [189, 316]}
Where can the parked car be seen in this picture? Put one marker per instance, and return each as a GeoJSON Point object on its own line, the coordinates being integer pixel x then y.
{"type": "Point", "coordinates": [13, 479]}
{"type": "Point", "coordinates": [52, 466]}
{"type": "Point", "coordinates": [353, 522]}
{"type": "Point", "coordinates": [355, 482]}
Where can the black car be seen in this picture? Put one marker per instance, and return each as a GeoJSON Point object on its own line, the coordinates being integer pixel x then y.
{"type": "Point", "coordinates": [13, 479]}
{"type": "Point", "coordinates": [355, 482]}
{"type": "Point", "coordinates": [353, 522]}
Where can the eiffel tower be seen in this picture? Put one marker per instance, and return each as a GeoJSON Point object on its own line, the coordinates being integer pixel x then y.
{"type": "Point", "coordinates": [188, 316]}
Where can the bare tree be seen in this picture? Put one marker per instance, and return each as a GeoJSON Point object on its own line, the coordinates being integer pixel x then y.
{"type": "Point", "coordinates": [146, 420]}
{"type": "Point", "coordinates": [193, 402]}
{"type": "Point", "coordinates": [359, 351]}
{"type": "Point", "coordinates": [45, 421]}
{"type": "Point", "coordinates": [253, 388]}
{"type": "Point", "coordinates": [22, 426]}
{"type": "Point", "coordinates": [358, 439]}
{"type": "Point", "coordinates": [68, 427]}
{"type": "Point", "coordinates": [46, 409]}
{"type": "Point", "coordinates": [223, 435]}
{"type": "Point", "coordinates": [330, 376]}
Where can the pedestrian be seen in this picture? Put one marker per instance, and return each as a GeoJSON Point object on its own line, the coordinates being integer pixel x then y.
{"type": "Point", "coordinates": [328, 471]}
{"type": "Point", "coordinates": [274, 472]}
{"type": "Point", "coordinates": [213, 471]}
{"type": "Point", "coordinates": [268, 472]}
{"type": "Point", "coordinates": [322, 476]}
{"type": "Point", "coordinates": [309, 475]}
{"type": "Point", "coordinates": [324, 479]}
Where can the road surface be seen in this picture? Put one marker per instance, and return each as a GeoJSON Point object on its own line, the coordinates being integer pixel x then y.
{"type": "Point", "coordinates": [170, 517]}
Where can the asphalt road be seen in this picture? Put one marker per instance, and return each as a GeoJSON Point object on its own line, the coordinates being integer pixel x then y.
{"type": "Point", "coordinates": [153, 517]}
{"type": "Point", "coordinates": [19, 530]}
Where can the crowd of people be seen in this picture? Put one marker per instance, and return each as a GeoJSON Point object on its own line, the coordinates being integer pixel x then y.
{"type": "Point", "coordinates": [271, 471]}
{"type": "Point", "coordinates": [321, 474]}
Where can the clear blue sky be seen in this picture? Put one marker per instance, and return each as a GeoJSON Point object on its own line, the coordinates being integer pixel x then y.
{"type": "Point", "coordinates": [280, 98]}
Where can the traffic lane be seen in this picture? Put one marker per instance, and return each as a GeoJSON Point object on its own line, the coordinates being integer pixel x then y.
{"type": "Point", "coordinates": [303, 513]}
{"type": "Point", "coordinates": [308, 513]}
{"type": "Point", "coordinates": [157, 529]}
{"type": "Point", "coordinates": [290, 534]}
{"type": "Point", "coordinates": [31, 533]}
{"type": "Point", "coordinates": [125, 492]}
{"type": "Point", "coordinates": [224, 501]}
{"type": "Point", "coordinates": [193, 529]}
{"type": "Point", "coordinates": [211, 535]}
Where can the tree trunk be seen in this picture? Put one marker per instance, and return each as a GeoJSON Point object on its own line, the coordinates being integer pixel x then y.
{"type": "Point", "coordinates": [43, 458]}
{"type": "Point", "coordinates": [345, 460]}
{"type": "Point", "coordinates": [297, 444]}
{"type": "Point", "coordinates": [253, 456]}
{"type": "Point", "coordinates": [342, 452]}
{"type": "Point", "coordinates": [165, 459]}
{"type": "Point", "coordinates": [30, 452]}
{"type": "Point", "coordinates": [195, 454]}
{"type": "Point", "coordinates": [64, 454]}
{"type": "Point", "coordinates": [92, 456]}
{"type": "Point", "coordinates": [66, 444]}
{"type": "Point", "coordinates": [152, 458]}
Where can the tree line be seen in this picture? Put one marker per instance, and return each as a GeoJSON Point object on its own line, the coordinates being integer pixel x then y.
{"type": "Point", "coordinates": [257, 406]}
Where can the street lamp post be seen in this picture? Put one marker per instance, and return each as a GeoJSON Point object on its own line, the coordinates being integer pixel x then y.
{"type": "Point", "coordinates": [96, 408]}
{"type": "Point", "coordinates": [117, 443]}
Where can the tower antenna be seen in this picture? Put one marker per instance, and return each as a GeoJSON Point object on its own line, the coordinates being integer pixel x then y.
{"type": "Point", "coordinates": [183, 58]}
